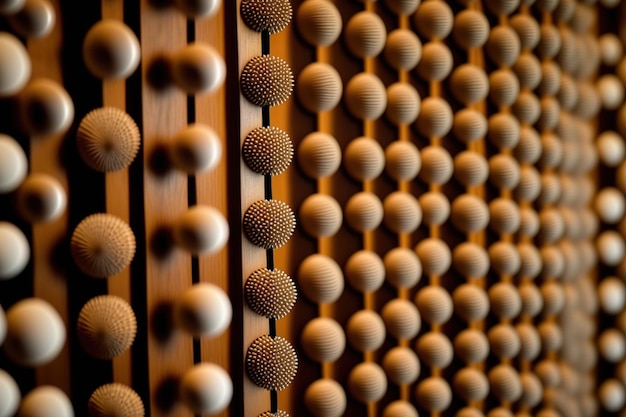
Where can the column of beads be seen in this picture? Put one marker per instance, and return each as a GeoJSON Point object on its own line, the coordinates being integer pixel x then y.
{"type": "Point", "coordinates": [433, 20]}
{"type": "Point", "coordinates": [609, 206]}
{"type": "Point", "coordinates": [402, 211]}
{"type": "Point", "coordinates": [366, 100]}
{"type": "Point", "coordinates": [527, 152]}
{"type": "Point", "coordinates": [271, 360]}
{"type": "Point", "coordinates": [319, 89]}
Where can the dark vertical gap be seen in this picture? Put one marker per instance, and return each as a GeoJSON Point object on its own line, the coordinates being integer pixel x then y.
{"type": "Point", "coordinates": [265, 42]}
{"type": "Point", "coordinates": [272, 327]}
{"type": "Point", "coordinates": [265, 116]}
{"type": "Point", "coordinates": [273, 401]}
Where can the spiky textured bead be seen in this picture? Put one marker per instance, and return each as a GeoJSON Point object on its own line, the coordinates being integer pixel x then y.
{"type": "Point", "coordinates": [267, 80]}
{"type": "Point", "coordinates": [270, 293]}
{"type": "Point", "coordinates": [267, 150]}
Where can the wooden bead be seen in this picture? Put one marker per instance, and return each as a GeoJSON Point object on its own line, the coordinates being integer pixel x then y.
{"type": "Point", "coordinates": [503, 130]}
{"type": "Point", "coordinates": [551, 226]}
{"type": "Point", "coordinates": [549, 115]}
{"type": "Point", "coordinates": [203, 310]}
{"type": "Point", "coordinates": [403, 268]}
{"type": "Point", "coordinates": [364, 211]}
{"type": "Point", "coordinates": [402, 319]}
{"type": "Point", "coordinates": [469, 125]}
{"type": "Point", "coordinates": [503, 45]}
{"type": "Point", "coordinates": [111, 50]}
{"type": "Point", "coordinates": [469, 84]}
{"type": "Point", "coordinates": [403, 104]}
{"type": "Point", "coordinates": [527, 108]}
{"type": "Point", "coordinates": [532, 302]}
{"type": "Point", "coordinates": [402, 160]}
{"type": "Point", "coordinates": [612, 395]}
{"type": "Point", "coordinates": [529, 222]}
{"type": "Point", "coordinates": [549, 42]}
{"type": "Point", "coordinates": [504, 216]}
{"type": "Point", "coordinates": [435, 208]}
{"type": "Point", "coordinates": [206, 388]}
{"type": "Point", "coordinates": [503, 87]}
{"type": "Point", "coordinates": [15, 67]}
{"type": "Point", "coordinates": [13, 164]}
{"type": "Point", "coordinates": [436, 61]}
{"type": "Point", "coordinates": [552, 260]}
{"type": "Point", "coordinates": [504, 171]}
{"type": "Point", "coordinates": [530, 258]}
{"type": "Point", "coordinates": [401, 365]}
{"type": "Point", "coordinates": [528, 71]}
{"type": "Point", "coordinates": [470, 302]}
{"type": "Point", "coordinates": [433, 19]}
{"type": "Point", "coordinates": [612, 295]}
{"type": "Point", "coordinates": [469, 213]}
{"type": "Point", "coordinates": [588, 104]}
{"type": "Point", "coordinates": [400, 408]}
{"type": "Point", "coordinates": [402, 7]}
{"type": "Point", "coordinates": [367, 382]}
{"type": "Point", "coordinates": [8, 7]}
{"type": "Point", "coordinates": [365, 34]}
{"type": "Point", "coordinates": [319, 87]}
{"type": "Point", "coordinates": [469, 412]}
{"type": "Point", "coordinates": [319, 155]}
{"type": "Point", "coordinates": [437, 165]}
{"type": "Point", "coordinates": [611, 49]}
{"type": "Point", "coordinates": [320, 278]}
{"type": "Point", "coordinates": [365, 271]}
{"type": "Point", "coordinates": [434, 394]}
{"type": "Point", "coordinates": [470, 260]}
{"type": "Point", "coordinates": [528, 149]}
{"type": "Point", "coordinates": [434, 255]}
{"type": "Point", "coordinates": [323, 340]}
{"type": "Point", "coordinates": [548, 372]}
{"type": "Point", "coordinates": [35, 19]}
{"type": "Point", "coordinates": [530, 343]}
{"type": "Point", "coordinates": [35, 332]}
{"type": "Point", "coordinates": [319, 22]}
{"type": "Point", "coordinates": [365, 96]}
{"type": "Point", "coordinates": [201, 230]}
{"type": "Point", "coordinates": [434, 304]}
{"type": "Point", "coordinates": [270, 293]}
{"type": "Point", "coordinates": [612, 345]}
{"type": "Point", "coordinates": [504, 341]}
{"type": "Point", "coordinates": [40, 198]}
{"type": "Point", "coordinates": [611, 91]}
{"type": "Point", "coordinates": [264, 15]}
{"type": "Point", "coordinates": [529, 185]}
{"type": "Point", "coordinates": [320, 215]}
{"type": "Point", "coordinates": [14, 251]}
{"type": "Point", "coordinates": [46, 400]}
{"type": "Point", "coordinates": [115, 399]}
{"type": "Point", "coordinates": [470, 168]}
{"type": "Point", "coordinates": [266, 80]}
{"type": "Point", "coordinates": [269, 224]}
{"type": "Point", "coordinates": [365, 330]}
{"type": "Point", "coordinates": [505, 7]}
{"type": "Point", "coordinates": [505, 300]}
{"type": "Point", "coordinates": [325, 398]}
{"type": "Point", "coordinates": [435, 117]}
{"type": "Point", "coordinates": [471, 384]}
{"type": "Point", "coordinates": [471, 29]}
{"type": "Point", "coordinates": [403, 49]}
{"type": "Point", "coordinates": [271, 362]}
{"type": "Point", "coordinates": [610, 247]}
{"type": "Point", "coordinates": [527, 30]}
{"type": "Point", "coordinates": [568, 92]}
{"type": "Point", "coordinates": [364, 158]}
{"type": "Point", "coordinates": [266, 150]}
{"type": "Point", "coordinates": [45, 108]}
{"type": "Point", "coordinates": [611, 149]}
{"type": "Point", "coordinates": [10, 395]}
{"type": "Point", "coordinates": [106, 326]}
{"type": "Point", "coordinates": [505, 383]}
{"type": "Point", "coordinates": [551, 336]}
{"type": "Point", "coordinates": [471, 346]}
{"type": "Point", "coordinates": [402, 212]}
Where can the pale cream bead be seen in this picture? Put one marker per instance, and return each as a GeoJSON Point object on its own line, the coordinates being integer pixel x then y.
{"type": "Point", "coordinates": [364, 211]}
{"type": "Point", "coordinates": [15, 69]}
{"type": "Point", "coordinates": [323, 339]}
{"type": "Point", "coordinates": [365, 96]}
{"type": "Point", "coordinates": [319, 22]}
{"type": "Point", "coordinates": [111, 50]}
{"type": "Point", "coordinates": [365, 330]}
{"type": "Point", "coordinates": [364, 159]}
{"type": "Point", "coordinates": [320, 215]}
{"type": "Point", "coordinates": [319, 155]}
{"type": "Point", "coordinates": [325, 398]}
{"type": "Point", "coordinates": [365, 271]}
{"type": "Point", "coordinates": [402, 160]}
{"type": "Point", "coordinates": [365, 34]}
{"type": "Point", "coordinates": [14, 251]}
{"type": "Point", "coordinates": [319, 87]}
{"type": "Point", "coordinates": [320, 278]}
{"type": "Point", "coordinates": [206, 388]}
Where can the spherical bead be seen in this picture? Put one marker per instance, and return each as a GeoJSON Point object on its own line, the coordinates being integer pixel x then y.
{"type": "Point", "coordinates": [504, 171]}
{"type": "Point", "coordinates": [530, 260]}
{"type": "Point", "coordinates": [403, 104]}
{"type": "Point", "coordinates": [611, 148]}
{"type": "Point", "coordinates": [323, 340]}
{"type": "Point", "coordinates": [470, 302]}
{"type": "Point", "coordinates": [46, 400]}
{"type": "Point", "coordinates": [531, 300]}
{"type": "Point", "coordinates": [471, 346]}
{"type": "Point", "coordinates": [266, 80]}
{"type": "Point", "coordinates": [270, 293]}
{"type": "Point", "coordinates": [610, 247]}
{"type": "Point", "coordinates": [434, 394]}
{"type": "Point", "coordinates": [434, 304]}
{"type": "Point", "coordinates": [503, 46]}
{"type": "Point", "coordinates": [364, 211]}
{"type": "Point", "coordinates": [365, 271]}
{"type": "Point", "coordinates": [14, 251]}
{"type": "Point", "coordinates": [44, 108]}
{"type": "Point", "coordinates": [320, 278]}
{"type": "Point", "coordinates": [319, 155]}
{"type": "Point", "coordinates": [402, 160]}
{"type": "Point", "coordinates": [403, 49]}
{"type": "Point", "coordinates": [529, 185]}
{"type": "Point", "coordinates": [612, 295]}
{"type": "Point", "coordinates": [436, 61]}
{"type": "Point", "coordinates": [111, 50]}
{"type": "Point", "coordinates": [528, 70]}
{"type": "Point", "coordinates": [469, 125]}
{"type": "Point", "coordinates": [470, 168]}
{"type": "Point", "coordinates": [364, 158]}
{"type": "Point", "coordinates": [435, 118]}
{"type": "Point", "coordinates": [503, 87]}
{"type": "Point", "coordinates": [402, 212]}
{"type": "Point", "coordinates": [319, 87]}
{"type": "Point", "coordinates": [471, 29]}
{"type": "Point", "coordinates": [402, 319]}
{"type": "Point", "coordinates": [403, 268]}
{"type": "Point", "coordinates": [434, 20]}
{"type": "Point", "coordinates": [199, 68]}
{"type": "Point", "coordinates": [437, 165]}
{"type": "Point", "coordinates": [612, 395]}
{"type": "Point", "coordinates": [469, 84]}
{"type": "Point", "coordinates": [10, 395]}
{"type": "Point", "coordinates": [504, 258]}
{"type": "Point", "coordinates": [325, 398]}
{"type": "Point", "coordinates": [505, 383]}
{"type": "Point", "coordinates": [270, 16]}
{"type": "Point", "coordinates": [471, 384]}
{"type": "Point", "coordinates": [319, 22]}
{"type": "Point", "coordinates": [434, 255]}
{"type": "Point", "coordinates": [320, 215]}
{"type": "Point", "coordinates": [527, 29]}
{"type": "Point", "coordinates": [365, 34]}
{"type": "Point", "coordinates": [400, 408]}
{"type": "Point", "coordinates": [365, 330]}
{"type": "Point", "coordinates": [505, 300]}
{"type": "Point", "coordinates": [504, 216]}
{"type": "Point", "coordinates": [503, 130]}
{"type": "Point", "coordinates": [529, 222]}
{"type": "Point", "coordinates": [469, 213]}
{"type": "Point", "coordinates": [365, 96]}
{"type": "Point", "coordinates": [401, 365]}
{"type": "Point", "coordinates": [206, 388]}
{"type": "Point", "coordinates": [530, 342]}
{"type": "Point", "coordinates": [470, 260]}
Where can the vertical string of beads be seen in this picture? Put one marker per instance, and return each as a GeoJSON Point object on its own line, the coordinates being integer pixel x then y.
{"type": "Point", "coordinates": [402, 212]}
{"type": "Point", "coordinates": [266, 81]}
{"type": "Point", "coordinates": [433, 301]}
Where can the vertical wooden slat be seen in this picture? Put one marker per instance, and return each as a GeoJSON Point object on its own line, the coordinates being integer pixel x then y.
{"type": "Point", "coordinates": [163, 31]}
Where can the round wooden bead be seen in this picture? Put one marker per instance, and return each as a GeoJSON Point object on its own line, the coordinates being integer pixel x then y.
{"type": "Point", "coordinates": [365, 271]}
{"type": "Point", "coordinates": [504, 216]}
{"type": "Point", "coordinates": [471, 384]}
{"type": "Point", "coordinates": [528, 71]}
{"type": "Point", "coordinates": [528, 149]}
{"type": "Point", "coordinates": [46, 400]}
{"type": "Point", "coordinates": [551, 336]}
{"type": "Point", "coordinates": [203, 310]}
{"type": "Point", "coordinates": [505, 300]}
{"type": "Point", "coordinates": [434, 394]}
{"type": "Point", "coordinates": [530, 258]}
{"type": "Point", "coordinates": [365, 330]}
{"type": "Point", "coordinates": [106, 326]}
{"type": "Point", "coordinates": [611, 91]}
{"type": "Point", "coordinates": [504, 171]}
{"type": "Point", "coordinates": [319, 155]}
{"type": "Point", "coordinates": [403, 49]}
{"type": "Point", "coordinates": [435, 208]}
{"type": "Point", "coordinates": [469, 213]}
{"type": "Point", "coordinates": [365, 34]}
{"type": "Point", "coordinates": [503, 45]}
{"type": "Point", "coordinates": [401, 365]}
{"type": "Point", "coordinates": [13, 164]}
{"type": "Point", "coordinates": [320, 278]}
{"type": "Point", "coordinates": [197, 148]}
{"type": "Point", "coordinates": [40, 198]}
{"type": "Point", "coordinates": [610, 247]}
{"type": "Point", "coordinates": [435, 118]}
{"type": "Point", "coordinates": [551, 226]}
{"type": "Point", "coordinates": [34, 20]}
{"type": "Point", "coordinates": [470, 168]}
{"type": "Point", "coordinates": [15, 67]}
{"type": "Point", "coordinates": [611, 149]}
{"type": "Point", "coordinates": [548, 372]}
{"type": "Point", "coordinates": [527, 108]}
{"type": "Point", "coordinates": [364, 159]}
{"type": "Point", "coordinates": [10, 395]}
{"type": "Point", "coordinates": [549, 42]}
{"type": "Point", "coordinates": [319, 22]}
{"type": "Point", "coordinates": [436, 61]}
{"type": "Point", "coordinates": [111, 50]}
{"type": "Point", "coordinates": [206, 388]}
{"type": "Point", "coordinates": [469, 125]}
{"type": "Point", "coordinates": [471, 29]}
{"type": "Point", "coordinates": [14, 251]}
{"type": "Point", "coordinates": [503, 130]}
{"type": "Point", "coordinates": [319, 87]}
{"type": "Point", "coordinates": [198, 8]}
{"type": "Point", "coordinates": [568, 92]}
{"type": "Point", "coordinates": [323, 340]}
{"type": "Point", "coordinates": [434, 304]}
{"type": "Point", "coordinates": [320, 215]}
{"type": "Point", "coordinates": [402, 160]}
{"type": "Point", "coordinates": [504, 341]}
{"type": "Point", "coordinates": [530, 343]}
{"type": "Point", "coordinates": [502, 7]}
{"type": "Point", "coordinates": [437, 165]}
{"type": "Point", "coordinates": [469, 412]}
{"type": "Point", "coordinates": [403, 268]}
{"type": "Point", "coordinates": [402, 212]}
{"type": "Point", "coordinates": [527, 30]}
{"type": "Point", "coordinates": [549, 115]}
{"type": "Point", "coordinates": [470, 260]}
{"type": "Point", "coordinates": [503, 87]}
{"type": "Point", "coordinates": [433, 19]}
{"type": "Point", "coordinates": [115, 399]}
{"type": "Point", "coordinates": [529, 222]}
{"type": "Point", "coordinates": [611, 49]}
{"type": "Point", "coordinates": [35, 332]}
{"type": "Point", "coordinates": [612, 345]}
{"type": "Point", "coordinates": [471, 346]}
{"type": "Point", "coordinates": [367, 382]}
{"type": "Point", "coordinates": [588, 104]}
{"type": "Point", "coordinates": [402, 7]}
{"type": "Point", "coordinates": [400, 408]}
{"type": "Point", "coordinates": [612, 395]}
{"type": "Point", "coordinates": [402, 319]}
{"type": "Point", "coordinates": [264, 15]}
{"type": "Point", "coordinates": [270, 293]}
{"type": "Point", "coordinates": [612, 295]}
{"type": "Point", "coordinates": [505, 383]}
{"type": "Point", "coordinates": [532, 302]}
{"type": "Point", "coordinates": [553, 261]}
{"type": "Point", "coordinates": [470, 302]}
{"type": "Point", "coordinates": [201, 230]}
{"type": "Point", "coordinates": [529, 186]}
{"type": "Point", "coordinates": [269, 224]}
{"type": "Point", "coordinates": [266, 80]}
{"type": "Point", "coordinates": [469, 84]}
{"type": "Point", "coordinates": [365, 96]}
{"type": "Point", "coordinates": [325, 398]}
{"type": "Point", "coordinates": [434, 255]}
{"type": "Point", "coordinates": [9, 7]}
{"type": "Point", "coordinates": [271, 362]}
{"type": "Point", "coordinates": [45, 108]}
{"type": "Point", "coordinates": [403, 104]}
{"type": "Point", "coordinates": [364, 211]}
